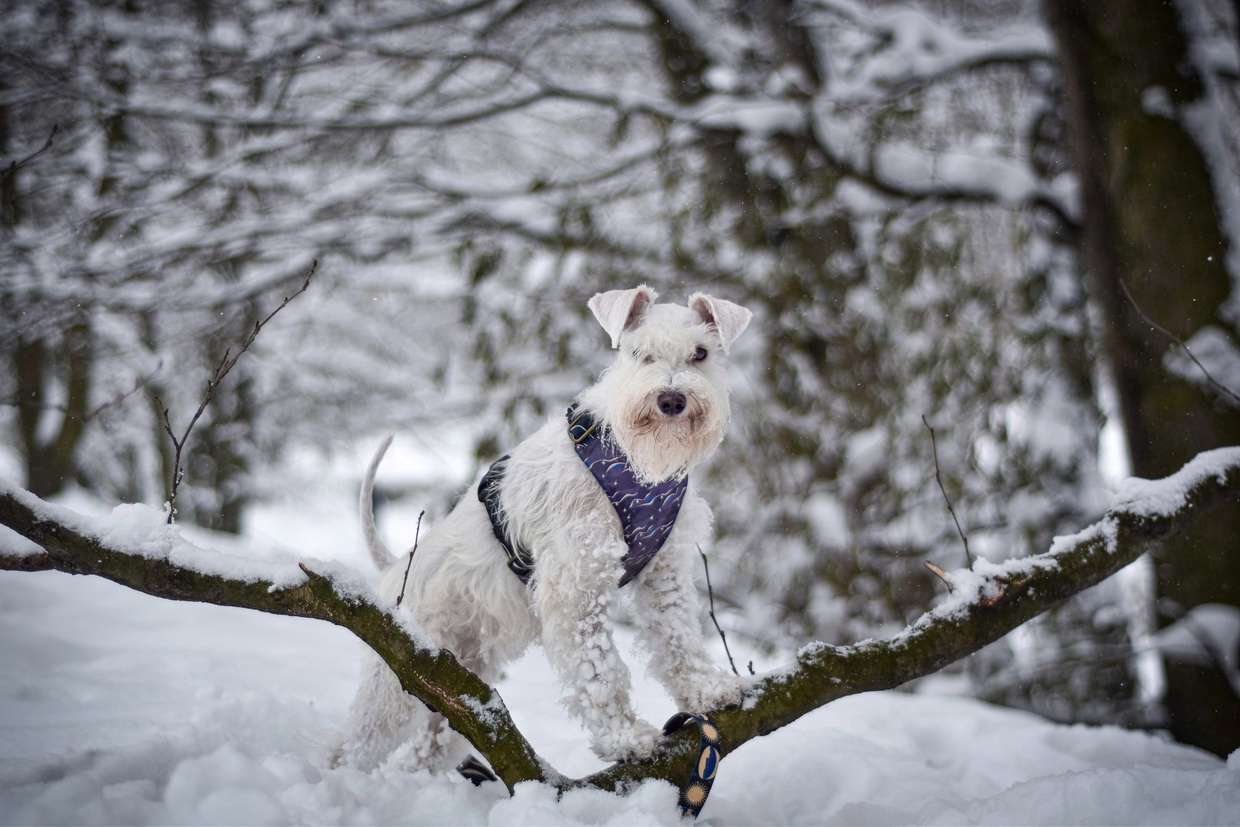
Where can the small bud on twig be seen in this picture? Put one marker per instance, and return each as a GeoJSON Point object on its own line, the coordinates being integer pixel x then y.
{"type": "Point", "coordinates": [942, 575]}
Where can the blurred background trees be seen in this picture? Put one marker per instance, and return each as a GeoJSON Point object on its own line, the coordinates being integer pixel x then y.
{"type": "Point", "coordinates": [928, 205]}
{"type": "Point", "coordinates": [1152, 129]}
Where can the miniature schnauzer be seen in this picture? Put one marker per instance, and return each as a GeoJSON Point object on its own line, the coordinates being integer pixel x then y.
{"type": "Point", "coordinates": [544, 541]}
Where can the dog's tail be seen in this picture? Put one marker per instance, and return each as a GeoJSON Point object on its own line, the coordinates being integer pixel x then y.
{"type": "Point", "coordinates": [382, 556]}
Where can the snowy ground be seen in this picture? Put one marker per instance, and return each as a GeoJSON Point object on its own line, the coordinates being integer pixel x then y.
{"type": "Point", "coordinates": [117, 708]}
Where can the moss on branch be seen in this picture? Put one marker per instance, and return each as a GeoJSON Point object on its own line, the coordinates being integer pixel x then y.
{"type": "Point", "coordinates": [471, 706]}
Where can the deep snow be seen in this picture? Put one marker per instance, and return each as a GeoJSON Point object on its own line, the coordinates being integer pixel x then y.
{"type": "Point", "coordinates": [118, 708]}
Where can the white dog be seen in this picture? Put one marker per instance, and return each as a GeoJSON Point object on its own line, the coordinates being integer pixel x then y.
{"type": "Point", "coordinates": [543, 543]}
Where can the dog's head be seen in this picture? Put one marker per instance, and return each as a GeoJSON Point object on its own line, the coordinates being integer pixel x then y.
{"type": "Point", "coordinates": [665, 397]}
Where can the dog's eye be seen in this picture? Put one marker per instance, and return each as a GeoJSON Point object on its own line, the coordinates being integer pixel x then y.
{"type": "Point", "coordinates": [699, 355]}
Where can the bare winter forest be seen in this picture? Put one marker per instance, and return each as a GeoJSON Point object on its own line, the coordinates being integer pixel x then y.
{"type": "Point", "coordinates": [992, 248]}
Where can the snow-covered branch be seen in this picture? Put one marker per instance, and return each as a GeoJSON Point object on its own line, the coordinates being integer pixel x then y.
{"type": "Point", "coordinates": [990, 600]}
{"type": "Point", "coordinates": [909, 48]}
{"type": "Point", "coordinates": [134, 547]}
{"type": "Point", "coordinates": [902, 51]}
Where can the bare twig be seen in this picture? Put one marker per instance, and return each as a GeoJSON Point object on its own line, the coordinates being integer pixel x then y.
{"type": "Point", "coordinates": [968, 558]}
{"type": "Point", "coordinates": [1214, 383]}
{"type": "Point", "coordinates": [710, 593]}
{"type": "Point", "coordinates": [12, 168]}
{"type": "Point", "coordinates": [226, 364]}
{"type": "Point", "coordinates": [138, 384]}
{"type": "Point", "coordinates": [417, 532]}
{"type": "Point", "coordinates": [1204, 639]}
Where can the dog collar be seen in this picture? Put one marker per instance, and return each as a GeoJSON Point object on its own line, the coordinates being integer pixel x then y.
{"type": "Point", "coordinates": [647, 512]}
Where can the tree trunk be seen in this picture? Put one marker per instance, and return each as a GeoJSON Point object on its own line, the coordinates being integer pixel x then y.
{"type": "Point", "coordinates": [51, 461]}
{"type": "Point", "coordinates": [1151, 229]}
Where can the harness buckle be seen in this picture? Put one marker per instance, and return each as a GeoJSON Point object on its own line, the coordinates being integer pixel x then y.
{"type": "Point", "coordinates": [575, 426]}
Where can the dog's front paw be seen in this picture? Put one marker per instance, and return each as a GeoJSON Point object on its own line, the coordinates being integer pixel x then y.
{"type": "Point", "coordinates": [633, 742]}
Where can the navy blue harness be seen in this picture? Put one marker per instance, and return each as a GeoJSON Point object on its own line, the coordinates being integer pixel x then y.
{"type": "Point", "coordinates": [647, 512]}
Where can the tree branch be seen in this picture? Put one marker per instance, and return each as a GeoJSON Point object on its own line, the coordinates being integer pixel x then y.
{"type": "Point", "coordinates": [152, 564]}
{"type": "Point", "coordinates": [1214, 383]}
{"type": "Point", "coordinates": [14, 166]}
{"type": "Point", "coordinates": [226, 364]}
{"type": "Point", "coordinates": [988, 602]}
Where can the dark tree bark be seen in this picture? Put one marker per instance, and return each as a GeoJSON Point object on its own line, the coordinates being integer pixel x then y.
{"type": "Point", "coordinates": [1151, 228]}
{"type": "Point", "coordinates": [38, 364]}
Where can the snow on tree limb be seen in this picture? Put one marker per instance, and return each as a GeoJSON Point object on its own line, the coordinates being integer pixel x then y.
{"type": "Point", "coordinates": [134, 547]}
{"type": "Point", "coordinates": [991, 599]}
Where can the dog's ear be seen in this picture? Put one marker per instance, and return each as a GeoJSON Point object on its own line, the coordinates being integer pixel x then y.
{"type": "Point", "coordinates": [621, 310]}
{"type": "Point", "coordinates": [727, 318]}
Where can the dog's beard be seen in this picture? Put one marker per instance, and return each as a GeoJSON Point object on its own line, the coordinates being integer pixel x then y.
{"type": "Point", "coordinates": [661, 447]}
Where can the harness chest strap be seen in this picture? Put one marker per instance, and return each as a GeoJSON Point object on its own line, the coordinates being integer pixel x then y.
{"type": "Point", "coordinates": [519, 559]}
{"type": "Point", "coordinates": [647, 512]}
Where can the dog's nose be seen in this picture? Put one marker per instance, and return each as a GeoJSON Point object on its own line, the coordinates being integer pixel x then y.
{"type": "Point", "coordinates": [672, 403]}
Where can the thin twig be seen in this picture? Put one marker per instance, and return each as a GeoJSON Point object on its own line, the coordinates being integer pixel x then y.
{"type": "Point", "coordinates": [225, 365]}
{"type": "Point", "coordinates": [417, 532]}
{"type": "Point", "coordinates": [16, 165]}
{"type": "Point", "coordinates": [710, 593]}
{"type": "Point", "coordinates": [968, 558]}
{"type": "Point", "coordinates": [138, 384]}
{"type": "Point", "coordinates": [1217, 385]}
{"type": "Point", "coordinates": [1204, 639]}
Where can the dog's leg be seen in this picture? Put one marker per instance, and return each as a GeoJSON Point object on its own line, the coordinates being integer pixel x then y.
{"type": "Point", "coordinates": [666, 608]}
{"type": "Point", "coordinates": [573, 590]}
{"type": "Point", "coordinates": [390, 728]}
{"type": "Point", "coordinates": [383, 720]}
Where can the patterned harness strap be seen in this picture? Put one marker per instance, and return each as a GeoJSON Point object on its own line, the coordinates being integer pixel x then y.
{"type": "Point", "coordinates": [519, 558]}
{"type": "Point", "coordinates": [647, 512]}
{"type": "Point", "coordinates": [710, 749]}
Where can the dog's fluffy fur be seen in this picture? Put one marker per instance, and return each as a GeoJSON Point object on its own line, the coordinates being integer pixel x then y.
{"type": "Point", "coordinates": [463, 595]}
